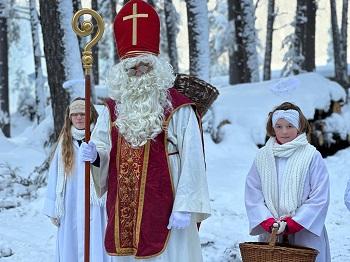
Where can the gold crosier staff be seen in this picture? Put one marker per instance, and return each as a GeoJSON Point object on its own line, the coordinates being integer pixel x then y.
{"type": "Point", "coordinates": [87, 59]}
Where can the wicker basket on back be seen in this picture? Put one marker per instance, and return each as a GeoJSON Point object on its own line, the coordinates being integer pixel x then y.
{"type": "Point", "coordinates": [199, 91]}
{"type": "Point", "coordinates": [275, 252]}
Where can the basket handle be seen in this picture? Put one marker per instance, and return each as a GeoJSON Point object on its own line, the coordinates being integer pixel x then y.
{"type": "Point", "coordinates": [273, 235]}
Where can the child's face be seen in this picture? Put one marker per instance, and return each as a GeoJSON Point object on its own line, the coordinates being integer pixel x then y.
{"type": "Point", "coordinates": [285, 131]}
{"type": "Point", "coordinates": [78, 120]}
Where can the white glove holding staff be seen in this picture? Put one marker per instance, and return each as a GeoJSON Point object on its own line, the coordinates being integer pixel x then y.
{"type": "Point", "coordinates": [179, 220]}
{"type": "Point", "coordinates": [88, 152]}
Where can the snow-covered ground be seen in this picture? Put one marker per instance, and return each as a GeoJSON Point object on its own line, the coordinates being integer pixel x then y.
{"type": "Point", "coordinates": [30, 236]}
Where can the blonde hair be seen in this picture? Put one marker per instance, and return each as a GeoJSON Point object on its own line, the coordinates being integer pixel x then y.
{"type": "Point", "coordinates": [66, 137]}
{"type": "Point", "coordinates": [304, 126]}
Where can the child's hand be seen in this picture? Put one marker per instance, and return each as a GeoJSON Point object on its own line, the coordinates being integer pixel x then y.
{"type": "Point", "coordinates": [292, 226]}
{"type": "Point", "coordinates": [281, 225]}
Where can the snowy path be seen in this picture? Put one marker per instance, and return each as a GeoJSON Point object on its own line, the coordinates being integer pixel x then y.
{"type": "Point", "coordinates": [28, 233]}
{"type": "Point", "coordinates": [31, 236]}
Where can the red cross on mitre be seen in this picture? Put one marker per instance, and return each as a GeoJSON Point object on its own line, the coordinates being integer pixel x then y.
{"type": "Point", "coordinates": [137, 29]}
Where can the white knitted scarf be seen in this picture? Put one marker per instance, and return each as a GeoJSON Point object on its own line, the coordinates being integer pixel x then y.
{"type": "Point", "coordinates": [77, 134]}
{"type": "Point", "coordinates": [299, 153]}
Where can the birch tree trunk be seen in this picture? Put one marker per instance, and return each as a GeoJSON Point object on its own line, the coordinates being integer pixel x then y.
{"type": "Point", "coordinates": [198, 35]}
{"type": "Point", "coordinates": [40, 96]}
{"type": "Point", "coordinates": [299, 31]}
{"type": "Point", "coordinates": [171, 30]}
{"type": "Point", "coordinates": [4, 71]}
{"type": "Point", "coordinates": [269, 39]}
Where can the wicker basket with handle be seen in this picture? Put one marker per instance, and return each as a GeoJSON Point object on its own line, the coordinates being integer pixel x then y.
{"type": "Point", "coordinates": [199, 91]}
{"type": "Point", "coordinates": [276, 252]}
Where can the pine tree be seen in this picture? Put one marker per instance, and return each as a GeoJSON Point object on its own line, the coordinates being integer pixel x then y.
{"type": "Point", "coordinates": [95, 53]}
{"type": "Point", "coordinates": [271, 15]}
{"type": "Point", "coordinates": [340, 43]}
{"type": "Point", "coordinates": [4, 70]}
{"type": "Point", "coordinates": [243, 59]}
{"type": "Point", "coordinates": [40, 96]}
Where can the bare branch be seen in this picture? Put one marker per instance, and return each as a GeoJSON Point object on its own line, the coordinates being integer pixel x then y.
{"type": "Point", "coordinates": [256, 4]}
{"type": "Point", "coordinates": [22, 17]}
{"type": "Point", "coordinates": [281, 27]}
{"type": "Point", "coordinates": [22, 12]}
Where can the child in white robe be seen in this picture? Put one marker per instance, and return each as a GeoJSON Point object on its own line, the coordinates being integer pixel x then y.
{"type": "Point", "coordinates": [64, 202]}
{"type": "Point", "coordinates": [288, 184]}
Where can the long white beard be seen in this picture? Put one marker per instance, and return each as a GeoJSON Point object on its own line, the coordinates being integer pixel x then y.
{"type": "Point", "coordinates": [141, 101]}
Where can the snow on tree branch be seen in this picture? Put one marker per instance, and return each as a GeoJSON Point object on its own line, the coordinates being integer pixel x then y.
{"type": "Point", "coordinates": [4, 8]}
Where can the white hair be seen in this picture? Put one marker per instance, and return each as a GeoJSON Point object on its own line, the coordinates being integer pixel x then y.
{"type": "Point", "coordinates": [141, 100]}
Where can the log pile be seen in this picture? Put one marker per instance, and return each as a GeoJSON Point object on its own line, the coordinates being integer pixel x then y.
{"type": "Point", "coordinates": [328, 143]}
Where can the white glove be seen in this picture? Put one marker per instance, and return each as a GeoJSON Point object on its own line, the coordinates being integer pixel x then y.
{"type": "Point", "coordinates": [179, 220]}
{"type": "Point", "coordinates": [281, 225]}
{"type": "Point", "coordinates": [88, 152]}
{"type": "Point", "coordinates": [55, 221]}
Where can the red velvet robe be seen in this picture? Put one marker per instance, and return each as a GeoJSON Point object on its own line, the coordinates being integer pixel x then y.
{"type": "Point", "coordinates": [140, 191]}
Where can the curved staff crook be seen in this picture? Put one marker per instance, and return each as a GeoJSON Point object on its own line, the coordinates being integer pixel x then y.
{"type": "Point", "coordinates": [87, 60]}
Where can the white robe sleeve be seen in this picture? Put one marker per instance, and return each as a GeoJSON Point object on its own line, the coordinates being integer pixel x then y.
{"type": "Point", "coordinates": [188, 166]}
{"type": "Point", "coordinates": [347, 196]}
{"type": "Point", "coordinates": [50, 199]}
{"type": "Point", "coordinates": [101, 137]}
{"type": "Point", "coordinates": [256, 209]}
{"type": "Point", "coordinates": [312, 213]}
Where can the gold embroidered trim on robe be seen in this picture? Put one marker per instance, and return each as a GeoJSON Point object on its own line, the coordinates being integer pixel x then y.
{"type": "Point", "coordinates": [132, 164]}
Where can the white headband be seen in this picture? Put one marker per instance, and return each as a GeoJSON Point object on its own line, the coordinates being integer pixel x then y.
{"type": "Point", "coordinates": [291, 115]}
{"type": "Point", "coordinates": [77, 106]}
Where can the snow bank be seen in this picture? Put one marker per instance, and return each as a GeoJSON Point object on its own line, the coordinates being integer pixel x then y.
{"type": "Point", "coordinates": [248, 105]}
